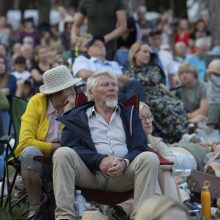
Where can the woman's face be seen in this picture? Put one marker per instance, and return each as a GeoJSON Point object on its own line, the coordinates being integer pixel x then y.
{"type": "Point", "coordinates": [146, 120]}
{"type": "Point", "coordinates": [43, 54]}
{"type": "Point", "coordinates": [63, 95]}
{"type": "Point", "coordinates": [2, 66]}
{"type": "Point", "coordinates": [143, 55]}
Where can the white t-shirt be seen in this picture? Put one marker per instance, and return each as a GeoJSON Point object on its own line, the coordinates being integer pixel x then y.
{"type": "Point", "coordinates": [22, 76]}
{"type": "Point", "coordinates": [169, 67]}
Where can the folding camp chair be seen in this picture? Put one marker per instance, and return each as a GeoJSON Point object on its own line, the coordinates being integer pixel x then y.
{"type": "Point", "coordinates": [17, 108]}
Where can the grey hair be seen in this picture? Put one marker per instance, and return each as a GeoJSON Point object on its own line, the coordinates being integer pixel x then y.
{"type": "Point", "coordinates": [202, 42]}
{"type": "Point", "coordinates": [92, 81]}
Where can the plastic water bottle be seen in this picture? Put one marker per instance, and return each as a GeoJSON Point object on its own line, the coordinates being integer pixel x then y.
{"type": "Point", "coordinates": [79, 204]}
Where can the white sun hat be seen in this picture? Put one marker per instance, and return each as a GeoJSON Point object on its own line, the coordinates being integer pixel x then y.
{"type": "Point", "coordinates": [57, 79]}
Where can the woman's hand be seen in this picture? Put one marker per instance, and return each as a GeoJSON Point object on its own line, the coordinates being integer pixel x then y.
{"type": "Point", "coordinates": [55, 146]}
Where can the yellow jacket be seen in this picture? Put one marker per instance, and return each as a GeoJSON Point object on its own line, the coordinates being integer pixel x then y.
{"type": "Point", "coordinates": [34, 126]}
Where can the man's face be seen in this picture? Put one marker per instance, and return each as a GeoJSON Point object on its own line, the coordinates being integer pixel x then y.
{"type": "Point", "coordinates": [97, 49]}
{"type": "Point", "coordinates": [106, 92]}
{"type": "Point", "coordinates": [186, 78]}
{"type": "Point", "coordinates": [155, 41]}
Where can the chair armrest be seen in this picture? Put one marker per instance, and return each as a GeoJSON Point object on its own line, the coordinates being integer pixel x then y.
{"type": "Point", "coordinates": [44, 159]}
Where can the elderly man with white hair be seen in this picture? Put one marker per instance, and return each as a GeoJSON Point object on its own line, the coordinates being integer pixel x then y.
{"type": "Point", "coordinates": [104, 147]}
{"type": "Point", "coordinates": [197, 59]}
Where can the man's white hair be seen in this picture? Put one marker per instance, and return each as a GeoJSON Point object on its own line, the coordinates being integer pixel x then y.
{"type": "Point", "coordinates": [92, 81]}
{"type": "Point", "coordinates": [201, 42]}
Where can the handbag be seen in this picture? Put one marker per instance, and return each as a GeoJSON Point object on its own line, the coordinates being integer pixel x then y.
{"type": "Point", "coordinates": [4, 104]}
{"type": "Point", "coordinates": [196, 182]}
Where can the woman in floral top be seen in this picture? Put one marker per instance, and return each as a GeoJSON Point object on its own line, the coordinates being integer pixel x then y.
{"type": "Point", "coordinates": [169, 113]}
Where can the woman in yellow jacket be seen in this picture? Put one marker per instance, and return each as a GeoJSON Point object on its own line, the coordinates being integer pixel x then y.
{"type": "Point", "coordinates": [40, 132]}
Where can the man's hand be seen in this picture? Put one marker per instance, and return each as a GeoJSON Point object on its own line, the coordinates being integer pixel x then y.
{"type": "Point", "coordinates": [106, 163]}
{"type": "Point", "coordinates": [118, 167]}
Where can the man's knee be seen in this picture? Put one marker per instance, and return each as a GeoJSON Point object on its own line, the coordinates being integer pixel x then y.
{"type": "Point", "coordinates": [149, 158]}
{"type": "Point", "coordinates": [63, 154]}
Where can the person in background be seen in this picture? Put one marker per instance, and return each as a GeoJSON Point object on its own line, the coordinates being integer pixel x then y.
{"type": "Point", "coordinates": [28, 30]}
{"type": "Point", "coordinates": [193, 93]}
{"type": "Point", "coordinates": [111, 25]}
{"type": "Point", "coordinates": [166, 179]}
{"type": "Point", "coordinates": [197, 59]}
{"type": "Point", "coordinates": [165, 57]}
{"type": "Point", "coordinates": [124, 43]}
{"type": "Point", "coordinates": [41, 64]}
{"type": "Point", "coordinates": [213, 93]}
{"type": "Point", "coordinates": [21, 75]}
{"type": "Point", "coordinates": [170, 116]}
{"type": "Point", "coordinates": [145, 25]}
{"type": "Point", "coordinates": [200, 31]}
{"type": "Point", "coordinates": [40, 132]}
{"type": "Point", "coordinates": [8, 88]}
{"type": "Point", "coordinates": [183, 32]}
{"type": "Point", "coordinates": [162, 208]}
{"type": "Point", "coordinates": [84, 67]}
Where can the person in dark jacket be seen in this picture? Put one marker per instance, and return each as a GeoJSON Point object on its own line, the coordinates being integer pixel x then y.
{"type": "Point", "coordinates": [104, 147]}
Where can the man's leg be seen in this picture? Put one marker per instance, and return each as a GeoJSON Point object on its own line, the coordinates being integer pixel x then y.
{"type": "Point", "coordinates": [142, 175]}
{"type": "Point", "coordinates": [68, 171]}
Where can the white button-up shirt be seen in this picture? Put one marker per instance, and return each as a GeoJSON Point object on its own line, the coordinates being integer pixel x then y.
{"type": "Point", "coordinates": [95, 65]}
{"type": "Point", "coordinates": [109, 138]}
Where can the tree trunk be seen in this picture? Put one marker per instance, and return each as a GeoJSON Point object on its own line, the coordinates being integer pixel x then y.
{"type": "Point", "coordinates": [214, 21]}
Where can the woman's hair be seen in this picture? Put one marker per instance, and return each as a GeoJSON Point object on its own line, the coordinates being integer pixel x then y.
{"type": "Point", "coordinates": [92, 81]}
{"type": "Point", "coordinates": [133, 51]}
{"type": "Point", "coordinates": [142, 105]}
{"type": "Point", "coordinates": [189, 68]}
{"type": "Point", "coordinates": [37, 50]}
{"type": "Point", "coordinates": [154, 207]}
{"type": "Point", "coordinates": [4, 78]}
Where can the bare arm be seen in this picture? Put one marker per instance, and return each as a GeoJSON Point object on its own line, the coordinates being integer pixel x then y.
{"type": "Point", "coordinates": [202, 110]}
{"type": "Point", "coordinates": [36, 75]}
{"type": "Point", "coordinates": [121, 26]}
{"type": "Point", "coordinates": [85, 74]}
{"type": "Point", "coordinates": [75, 27]}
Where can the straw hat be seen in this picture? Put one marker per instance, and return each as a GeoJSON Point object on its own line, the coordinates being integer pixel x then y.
{"type": "Point", "coordinates": [57, 79]}
{"type": "Point", "coordinates": [214, 66]}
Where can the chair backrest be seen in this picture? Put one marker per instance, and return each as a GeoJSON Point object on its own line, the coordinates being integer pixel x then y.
{"type": "Point", "coordinates": [18, 107]}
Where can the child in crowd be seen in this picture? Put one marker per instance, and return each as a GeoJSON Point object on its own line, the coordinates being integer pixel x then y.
{"type": "Point", "coordinates": [23, 77]}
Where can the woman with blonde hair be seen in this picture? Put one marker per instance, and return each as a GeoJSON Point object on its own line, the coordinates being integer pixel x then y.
{"type": "Point", "coordinates": [166, 179]}
{"type": "Point", "coordinates": [170, 117]}
{"type": "Point", "coordinates": [161, 208]}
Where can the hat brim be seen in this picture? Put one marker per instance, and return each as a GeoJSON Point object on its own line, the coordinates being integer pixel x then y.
{"type": "Point", "coordinates": [43, 89]}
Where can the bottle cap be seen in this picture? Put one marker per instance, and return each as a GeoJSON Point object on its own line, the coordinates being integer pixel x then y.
{"type": "Point", "coordinates": [206, 184]}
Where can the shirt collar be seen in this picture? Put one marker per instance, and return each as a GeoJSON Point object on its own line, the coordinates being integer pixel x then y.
{"type": "Point", "coordinates": [96, 60]}
{"type": "Point", "coordinates": [91, 111]}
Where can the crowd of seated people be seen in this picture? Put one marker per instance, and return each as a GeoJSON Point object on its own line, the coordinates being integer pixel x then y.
{"type": "Point", "coordinates": [176, 88]}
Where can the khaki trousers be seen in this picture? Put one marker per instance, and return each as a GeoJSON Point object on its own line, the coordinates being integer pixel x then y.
{"type": "Point", "coordinates": [69, 170]}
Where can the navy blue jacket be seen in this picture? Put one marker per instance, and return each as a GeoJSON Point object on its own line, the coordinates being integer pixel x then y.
{"type": "Point", "coordinates": [76, 135]}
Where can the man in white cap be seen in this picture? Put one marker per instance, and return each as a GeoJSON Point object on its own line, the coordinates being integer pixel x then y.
{"type": "Point", "coordinates": [40, 132]}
